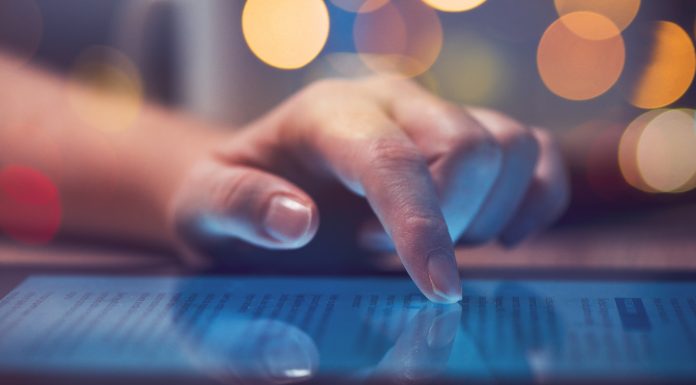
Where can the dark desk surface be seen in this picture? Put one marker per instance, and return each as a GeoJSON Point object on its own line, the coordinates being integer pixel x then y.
{"type": "Point", "coordinates": [657, 240]}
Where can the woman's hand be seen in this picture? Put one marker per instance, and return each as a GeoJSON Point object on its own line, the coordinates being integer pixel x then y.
{"type": "Point", "coordinates": [432, 173]}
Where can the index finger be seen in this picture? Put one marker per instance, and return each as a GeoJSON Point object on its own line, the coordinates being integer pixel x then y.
{"type": "Point", "coordinates": [372, 156]}
{"type": "Point", "coordinates": [401, 192]}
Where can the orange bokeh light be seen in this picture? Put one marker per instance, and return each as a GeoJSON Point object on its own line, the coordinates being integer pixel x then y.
{"type": "Point", "coordinates": [577, 68]}
{"type": "Point", "coordinates": [670, 70]}
{"type": "Point", "coordinates": [454, 5]}
{"type": "Point", "coordinates": [403, 37]}
{"type": "Point", "coordinates": [105, 89]}
{"type": "Point", "coordinates": [286, 34]}
{"type": "Point", "coordinates": [620, 12]}
{"type": "Point", "coordinates": [359, 5]}
{"type": "Point", "coordinates": [628, 158]}
{"type": "Point", "coordinates": [666, 151]}
{"type": "Point", "coordinates": [30, 209]}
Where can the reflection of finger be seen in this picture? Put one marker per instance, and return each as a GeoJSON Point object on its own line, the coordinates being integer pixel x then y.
{"type": "Point", "coordinates": [290, 358]}
{"type": "Point", "coordinates": [423, 348]}
{"type": "Point", "coordinates": [444, 328]}
{"type": "Point", "coordinates": [520, 153]}
{"type": "Point", "coordinates": [244, 351]}
{"type": "Point", "coordinates": [546, 198]}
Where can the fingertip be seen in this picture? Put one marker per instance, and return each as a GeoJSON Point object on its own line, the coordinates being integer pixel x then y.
{"type": "Point", "coordinates": [444, 279]}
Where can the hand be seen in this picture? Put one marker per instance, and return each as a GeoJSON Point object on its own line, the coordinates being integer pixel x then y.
{"type": "Point", "coordinates": [432, 173]}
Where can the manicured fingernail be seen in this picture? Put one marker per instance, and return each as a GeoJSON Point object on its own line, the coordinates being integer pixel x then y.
{"type": "Point", "coordinates": [444, 328]}
{"type": "Point", "coordinates": [288, 219]}
{"type": "Point", "coordinates": [444, 277]}
{"type": "Point", "coordinates": [288, 360]}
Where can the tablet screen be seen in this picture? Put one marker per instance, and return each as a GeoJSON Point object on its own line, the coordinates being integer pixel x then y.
{"type": "Point", "coordinates": [295, 329]}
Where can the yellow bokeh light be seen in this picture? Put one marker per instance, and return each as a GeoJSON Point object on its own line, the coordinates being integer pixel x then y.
{"type": "Point", "coordinates": [403, 37]}
{"type": "Point", "coordinates": [471, 70]}
{"type": "Point", "coordinates": [286, 34]}
{"type": "Point", "coordinates": [666, 151]}
{"type": "Point", "coordinates": [670, 70]}
{"type": "Point", "coordinates": [105, 90]}
{"type": "Point", "coordinates": [454, 5]}
{"type": "Point", "coordinates": [359, 5]}
{"type": "Point", "coordinates": [577, 68]}
{"type": "Point", "coordinates": [620, 12]}
{"type": "Point", "coordinates": [628, 158]}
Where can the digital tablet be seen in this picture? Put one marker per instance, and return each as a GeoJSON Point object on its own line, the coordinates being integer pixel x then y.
{"type": "Point", "coordinates": [279, 330]}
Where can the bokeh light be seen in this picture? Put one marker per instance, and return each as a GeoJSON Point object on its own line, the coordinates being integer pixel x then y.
{"type": "Point", "coordinates": [620, 12]}
{"type": "Point", "coordinates": [30, 209]}
{"type": "Point", "coordinates": [286, 34]}
{"type": "Point", "coordinates": [578, 68]}
{"type": "Point", "coordinates": [666, 151]}
{"type": "Point", "coordinates": [670, 70]}
{"type": "Point", "coordinates": [471, 70]}
{"type": "Point", "coordinates": [403, 37]}
{"type": "Point", "coordinates": [105, 89]}
{"type": "Point", "coordinates": [454, 5]}
{"type": "Point", "coordinates": [359, 5]}
{"type": "Point", "coordinates": [628, 158]}
{"type": "Point", "coordinates": [21, 28]}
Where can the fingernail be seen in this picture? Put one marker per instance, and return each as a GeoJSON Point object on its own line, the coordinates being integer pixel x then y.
{"type": "Point", "coordinates": [287, 359]}
{"type": "Point", "coordinates": [444, 328]}
{"type": "Point", "coordinates": [288, 219]}
{"type": "Point", "coordinates": [444, 277]}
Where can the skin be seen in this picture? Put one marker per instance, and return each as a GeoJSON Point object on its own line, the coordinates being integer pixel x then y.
{"type": "Point", "coordinates": [432, 172]}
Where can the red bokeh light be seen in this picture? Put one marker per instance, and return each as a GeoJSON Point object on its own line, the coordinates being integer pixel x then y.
{"type": "Point", "coordinates": [30, 209]}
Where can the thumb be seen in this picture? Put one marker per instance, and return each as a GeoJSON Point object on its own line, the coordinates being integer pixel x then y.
{"type": "Point", "coordinates": [218, 201]}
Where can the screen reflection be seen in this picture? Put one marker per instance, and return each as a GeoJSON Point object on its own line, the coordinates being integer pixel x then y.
{"type": "Point", "coordinates": [242, 330]}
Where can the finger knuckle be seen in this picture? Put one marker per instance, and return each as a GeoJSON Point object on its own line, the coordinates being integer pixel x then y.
{"type": "Point", "coordinates": [423, 223]}
{"type": "Point", "coordinates": [394, 154]}
{"type": "Point", "coordinates": [228, 191]}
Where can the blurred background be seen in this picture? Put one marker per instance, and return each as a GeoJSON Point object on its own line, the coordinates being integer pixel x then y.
{"type": "Point", "coordinates": [613, 79]}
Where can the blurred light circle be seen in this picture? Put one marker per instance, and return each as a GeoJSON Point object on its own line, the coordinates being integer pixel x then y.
{"type": "Point", "coordinates": [21, 28]}
{"type": "Point", "coordinates": [666, 151]}
{"type": "Point", "coordinates": [471, 70]}
{"type": "Point", "coordinates": [620, 12]}
{"type": "Point", "coordinates": [359, 5]}
{"type": "Point", "coordinates": [670, 70]}
{"type": "Point", "coordinates": [577, 68]}
{"type": "Point", "coordinates": [628, 157]}
{"type": "Point", "coordinates": [286, 34]}
{"type": "Point", "coordinates": [30, 209]}
{"type": "Point", "coordinates": [105, 90]}
{"type": "Point", "coordinates": [403, 37]}
{"type": "Point", "coordinates": [454, 5]}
